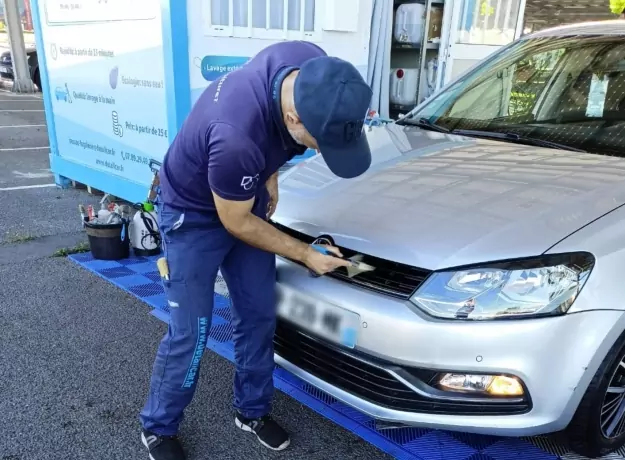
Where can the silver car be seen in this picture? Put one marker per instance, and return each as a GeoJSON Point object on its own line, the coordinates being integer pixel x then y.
{"type": "Point", "coordinates": [494, 217]}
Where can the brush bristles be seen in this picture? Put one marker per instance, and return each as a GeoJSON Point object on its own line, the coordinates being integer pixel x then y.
{"type": "Point", "coordinates": [357, 268]}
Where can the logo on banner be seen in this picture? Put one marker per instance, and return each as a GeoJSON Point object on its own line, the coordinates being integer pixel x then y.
{"type": "Point", "coordinates": [113, 77]}
{"type": "Point", "coordinates": [61, 93]}
{"type": "Point", "coordinates": [118, 130]}
{"type": "Point", "coordinates": [215, 67]}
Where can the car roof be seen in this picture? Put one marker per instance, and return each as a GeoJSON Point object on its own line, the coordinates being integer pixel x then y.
{"type": "Point", "coordinates": [613, 27]}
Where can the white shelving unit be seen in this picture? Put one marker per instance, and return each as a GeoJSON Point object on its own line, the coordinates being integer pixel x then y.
{"type": "Point", "coordinates": [406, 55]}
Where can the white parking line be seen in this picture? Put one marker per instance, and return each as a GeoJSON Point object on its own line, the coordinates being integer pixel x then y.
{"type": "Point", "coordinates": [22, 126]}
{"type": "Point", "coordinates": [21, 98]}
{"type": "Point", "coordinates": [24, 148]}
{"type": "Point", "coordinates": [22, 110]}
{"type": "Point", "coordinates": [25, 187]}
{"type": "Point", "coordinates": [33, 175]}
{"type": "Point", "coordinates": [8, 92]}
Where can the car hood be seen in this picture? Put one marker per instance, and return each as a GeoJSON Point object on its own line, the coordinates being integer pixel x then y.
{"type": "Point", "coordinates": [436, 200]}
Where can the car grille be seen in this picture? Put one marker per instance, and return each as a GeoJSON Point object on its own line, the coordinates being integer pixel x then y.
{"type": "Point", "coordinates": [390, 278]}
{"type": "Point", "coordinates": [373, 384]}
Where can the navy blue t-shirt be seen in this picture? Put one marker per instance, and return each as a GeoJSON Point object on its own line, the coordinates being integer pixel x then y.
{"type": "Point", "coordinates": [234, 139]}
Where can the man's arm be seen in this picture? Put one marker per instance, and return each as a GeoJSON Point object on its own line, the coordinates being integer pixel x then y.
{"type": "Point", "coordinates": [235, 163]}
{"type": "Point", "coordinates": [272, 189]}
{"type": "Point", "coordinates": [238, 219]}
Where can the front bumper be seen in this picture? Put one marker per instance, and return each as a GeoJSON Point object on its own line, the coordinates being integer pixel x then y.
{"type": "Point", "coordinates": [555, 358]}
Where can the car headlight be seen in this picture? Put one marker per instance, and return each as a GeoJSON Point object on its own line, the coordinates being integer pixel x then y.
{"type": "Point", "coordinates": [542, 286]}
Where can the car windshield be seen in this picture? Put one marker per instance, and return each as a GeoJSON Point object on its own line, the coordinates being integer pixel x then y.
{"type": "Point", "coordinates": [563, 91]}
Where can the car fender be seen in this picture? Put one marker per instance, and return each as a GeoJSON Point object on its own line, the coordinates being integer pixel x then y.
{"type": "Point", "coordinates": [591, 367]}
{"type": "Point", "coordinates": [605, 239]}
{"type": "Point", "coordinates": [605, 288]}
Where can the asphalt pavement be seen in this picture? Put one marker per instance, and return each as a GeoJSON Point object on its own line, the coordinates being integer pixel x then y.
{"type": "Point", "coordinates": [76, 352]}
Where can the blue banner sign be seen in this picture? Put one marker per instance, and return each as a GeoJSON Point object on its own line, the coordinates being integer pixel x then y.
{"type": "Point", "coordinates": [214, 67]}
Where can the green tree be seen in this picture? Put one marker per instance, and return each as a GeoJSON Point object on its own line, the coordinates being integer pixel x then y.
{"type": "Point", "coordinates": [617, 6]}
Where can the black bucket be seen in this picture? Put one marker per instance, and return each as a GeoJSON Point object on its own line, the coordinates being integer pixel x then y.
{"type": "Point", "coordinates": [109, 241]}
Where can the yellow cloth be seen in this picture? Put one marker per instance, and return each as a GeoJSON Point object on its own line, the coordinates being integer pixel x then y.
{"type": "Point", "coordinates": [617, 6]}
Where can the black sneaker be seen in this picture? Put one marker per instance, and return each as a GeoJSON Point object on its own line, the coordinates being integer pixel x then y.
{"type": "Point", "coordinates": [162, 447]}
{"type": "Point", "coordinates": [266, 429]}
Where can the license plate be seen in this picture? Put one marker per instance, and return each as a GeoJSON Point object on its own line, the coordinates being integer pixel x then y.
{"type": "Point", "coordinates": [4, 69]}
{"type": "Point", "coordinates": [319, 317]}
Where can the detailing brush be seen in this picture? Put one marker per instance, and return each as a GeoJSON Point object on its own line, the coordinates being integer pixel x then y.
{"type": "Point", "coordinates": [357, 267]}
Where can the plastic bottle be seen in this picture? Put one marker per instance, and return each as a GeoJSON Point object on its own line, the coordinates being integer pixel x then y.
{"type": "Point", "coordinates": [103, 213]}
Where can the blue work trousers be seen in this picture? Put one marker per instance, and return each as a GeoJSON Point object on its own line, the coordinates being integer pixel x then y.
{"type": "Point", "coordinates": [196, 246]}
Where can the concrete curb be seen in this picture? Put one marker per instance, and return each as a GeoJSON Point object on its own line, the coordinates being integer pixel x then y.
{"type": "Point", "coordinates": [45, 246]}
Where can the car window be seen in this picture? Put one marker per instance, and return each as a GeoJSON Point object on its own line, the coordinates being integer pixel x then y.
{"type": "Point", "coordinates": [530, 79]}
{"type": "Point", "coordinates": [569, 90]}
{"type": "Point", "coordinates": [512, 91]}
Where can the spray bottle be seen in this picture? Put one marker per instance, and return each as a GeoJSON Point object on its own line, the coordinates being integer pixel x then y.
{"type": "Point", "coordinates": [104, 213]}
{"type": "Point", "coordinates": [144, 235]}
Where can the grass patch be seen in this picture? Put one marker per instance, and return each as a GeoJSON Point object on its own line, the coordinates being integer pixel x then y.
{"type": "Point", "coordinates": [78, 249]}
{"type": "Point", "coordinates": [19, 238]}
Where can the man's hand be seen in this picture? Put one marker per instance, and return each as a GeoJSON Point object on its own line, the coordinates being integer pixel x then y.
{"type": "Point", "coordinates": [238, 219]}
{"type": "Point", "coordinates": [272, 188]}
{"type": "Point", "coordinates": [321, 263]}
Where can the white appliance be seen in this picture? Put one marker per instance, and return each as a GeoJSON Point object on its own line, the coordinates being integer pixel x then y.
{"type": "Point", "coordinates": [409, 20]}
{"type": "Point", "coordinates": [403, 89]}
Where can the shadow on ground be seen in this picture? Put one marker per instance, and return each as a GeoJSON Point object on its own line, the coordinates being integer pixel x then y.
{"type": "Point", "coordinates": [75, 359]}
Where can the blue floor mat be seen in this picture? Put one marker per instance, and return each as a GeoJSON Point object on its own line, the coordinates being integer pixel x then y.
{"type": "Point", "coordinates": [139, 276]}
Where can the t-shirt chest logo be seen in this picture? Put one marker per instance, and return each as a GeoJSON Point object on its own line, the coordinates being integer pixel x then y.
{"type": "Point", "coordinates": [249, 181]}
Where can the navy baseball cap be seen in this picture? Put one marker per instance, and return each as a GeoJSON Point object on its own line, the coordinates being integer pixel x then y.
{"type": "Point", "coordinates": [332, 100]}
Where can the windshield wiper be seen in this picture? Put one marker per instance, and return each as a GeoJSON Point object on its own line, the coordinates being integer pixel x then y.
{"type": "Point", "coordinates": [515, 138]}
{"type": "Point", "coordinates": [423, 123]}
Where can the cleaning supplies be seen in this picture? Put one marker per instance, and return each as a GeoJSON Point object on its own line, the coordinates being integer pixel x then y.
{"type": "Point", "coordinates": [144, 235]}
{"type": "Point", "coordinates": [409, 22]}
{"type": "Point", "coordinates": [124, 211]}
{"type": "Point", "coordinates": [104, 213]}
{"type": "Point", "coordinates": [403, 86]}
{"type": "Point", "coordinates": [155, 166]}
{"type": "Point", "coordinates": [83, 214]}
